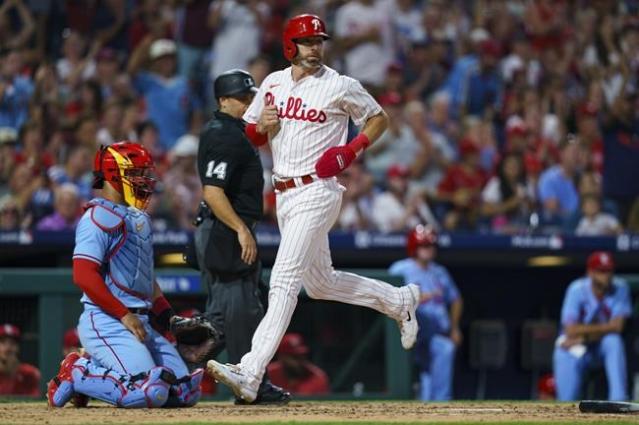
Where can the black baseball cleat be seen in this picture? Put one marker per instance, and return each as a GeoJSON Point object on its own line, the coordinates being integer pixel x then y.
{"type": "Point", "coordinates": [268, 395]}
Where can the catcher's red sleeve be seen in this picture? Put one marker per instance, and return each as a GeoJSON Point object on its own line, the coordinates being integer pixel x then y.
{"type": "Point", "coordinates": [256, 139]}
{"type": "Point", "coordinates": [86, 274]}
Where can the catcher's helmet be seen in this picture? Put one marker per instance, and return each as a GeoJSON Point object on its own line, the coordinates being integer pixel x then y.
{"type": "Point", "coordinates": [233, 83]}
{"type": "Point", "coordinates": [128, 168]}
{"type": "Point", "coordinates": [302, 26]}
{"type": "Point", "coordinates": [420, 236]}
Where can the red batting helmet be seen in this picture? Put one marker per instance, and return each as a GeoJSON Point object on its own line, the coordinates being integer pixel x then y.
{"type": "Point", "coordinates": [128, 168]}
{"type": "Point", "coordinates": [600, 261]}
{"type": "Point", "coordinates": [302, 26]}
{"type": "Point", "coordinates": [420, 236]}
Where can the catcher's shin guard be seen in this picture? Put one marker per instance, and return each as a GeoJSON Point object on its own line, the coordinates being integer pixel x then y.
{"type": "Point", "coordinates": [187, 390]}
{"type": "Point", "coordinates": [60, 389]}
{"type": "Point", "coordinates": [143, 390]}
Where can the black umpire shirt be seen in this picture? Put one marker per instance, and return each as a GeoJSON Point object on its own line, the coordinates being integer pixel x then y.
{"type": "Point", "coordinates": [228, 160]}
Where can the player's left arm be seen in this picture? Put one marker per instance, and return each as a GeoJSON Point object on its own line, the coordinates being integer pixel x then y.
{"type": "Point", "coordinates": [453, 297]}
{"type": "Point", "coordinates": [365, 112]}
{"type": "Point", "coordinates": [161, 310]}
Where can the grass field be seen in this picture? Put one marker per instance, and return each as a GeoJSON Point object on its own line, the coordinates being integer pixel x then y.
{"type": "Point", "coordinates": [320, 412]}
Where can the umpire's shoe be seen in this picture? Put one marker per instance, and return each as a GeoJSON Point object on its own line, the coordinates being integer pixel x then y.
{"type": "Point", "coordinates": [268, 395]}
{"type": "Point", "coordinates": [60, 388]}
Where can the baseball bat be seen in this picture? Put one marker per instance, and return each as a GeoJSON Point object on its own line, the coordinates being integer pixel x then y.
{"type": "Point", "coordinates": [604, 406]}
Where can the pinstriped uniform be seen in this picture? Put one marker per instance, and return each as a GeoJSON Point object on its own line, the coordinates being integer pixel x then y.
{"type": "Point", "coordinates": [314, 114]}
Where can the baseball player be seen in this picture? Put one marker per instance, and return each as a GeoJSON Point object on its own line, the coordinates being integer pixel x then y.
{"type": "Point", "coordinates": [592, 318]}
{"type": "Point", "coordinates": [303, 113]}
{"type": "Point", "coordinates": [130, 364]}
{"type": "Point", "coordinates": [438, 314]}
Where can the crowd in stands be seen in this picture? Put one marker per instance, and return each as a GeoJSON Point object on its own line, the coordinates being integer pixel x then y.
{"type": "Point", "coordinates": [506, 116]}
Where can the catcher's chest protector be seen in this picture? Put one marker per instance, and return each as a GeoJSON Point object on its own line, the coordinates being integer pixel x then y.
{"type": "Point", "coordinates": [129, 262]}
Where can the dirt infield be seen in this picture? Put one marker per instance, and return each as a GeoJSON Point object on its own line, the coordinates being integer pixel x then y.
{"type": "Point", "coordinates": [307, 411]}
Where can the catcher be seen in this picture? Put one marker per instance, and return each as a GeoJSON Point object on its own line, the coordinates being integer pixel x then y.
{"type": "Point", "coordinates": [128, 362]}
{"type": "Point", "coordinates": [226, 252]}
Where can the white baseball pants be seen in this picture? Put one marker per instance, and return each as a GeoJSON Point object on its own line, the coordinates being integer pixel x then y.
{"type": "Point", "coordinates": [305, 215]}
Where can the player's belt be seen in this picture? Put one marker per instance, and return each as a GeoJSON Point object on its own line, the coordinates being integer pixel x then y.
{"type": "Point", "coordinates": [284, 185]}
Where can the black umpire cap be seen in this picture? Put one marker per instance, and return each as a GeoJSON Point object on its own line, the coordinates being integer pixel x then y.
{"type": "Point", "coordinates": [234, 83]}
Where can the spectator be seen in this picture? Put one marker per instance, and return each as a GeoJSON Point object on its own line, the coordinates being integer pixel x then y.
{"type": "Point", "coordinates": [357, 201]}
{"type": "Point", "coordinates": [32, 152]}
{"type": "Point", "coordinates": [148, 19]}
{"type": "Point", "coordinates": [182, 182]}
{"type": "Point", "coordinates": [148, 136]}
{"type": "Point", "coordinates": [259, 67]}
{"type": "Point", "coordinates": [423, 75]}
{"type": "Point", "coordinates": [8, 142]}
{"type": "Point", "coordinates": [74, 66]}
{"type": "Point", "coordinates": [32, 197]}
{"type": "Point", "coordinates": [436, 152]}
{"type": "Point", "coordinates": [71, 342]}
{"type": "Point", "coordinates": [408, 25]}
{"type": "Point", "coordinates": [594, 222]}
{"type": "Point", "coordinates": [16, 91]}
{"type": "Point", "coordinates": [460, 189]}
{"type": "Point", "coordinates": [9, 214]}
{"type": "Point", "coordinates": [16, 378]}
{"type": "Point", "coordinates": [438, 315]}
{"type": "Point", "coordinates": [107, 66]}
{"type": "Point", "coordinates": [557, 192]}
{"type": "Point", "coordinates": [11, 38]}
{"type": "Point", "coordinates": [66, 210]}
{"type": "Point", "coordinates": [464, 64]}
{"type": "Point", "coordinates": [170, 104]}
{"type": "Point", "coordinates": [589, 134]}
{"type": "Point", "coordinates": [397, 145]}
{"type": "Point", "coordinates": [87, 102]}
{"type": "Point", "coordinates": [482, 94]}
{"type": "Point", "coordinates": [621, 155]}
{"type": "Point", "coordinates": [395, 210]}
{"type": "Point", "coordinates": [76, 170]}
{"type": "Point", "coordinates": [112, 130]}
{"type": "Point", "coordinates": [293, 372]}
{"type": "Point", "coordinates": [506, 199]}
{"type": "Point", "coordinates": [363, 32]}
{"type": "Point", "coordinates": [238, 27]}
{"type": "Point", "coordinates": [593, 315]}
{"type": "Point", "coordinates": [85, 132]}
{"type": "Point", "coordinates": [193, 36]}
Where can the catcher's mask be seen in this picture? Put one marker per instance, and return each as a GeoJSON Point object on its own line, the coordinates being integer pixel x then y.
{"type": "Point", "coordinates": [128, 168]}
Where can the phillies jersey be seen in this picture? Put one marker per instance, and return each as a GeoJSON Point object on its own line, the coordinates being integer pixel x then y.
{"type": "Point", "coordinates": [118, 238]}
{"type": "Point", "coordinates": [313, 112]}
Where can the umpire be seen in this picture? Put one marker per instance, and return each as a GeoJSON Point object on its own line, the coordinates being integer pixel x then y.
{"type": "Point", "coordinates": [232, 179]}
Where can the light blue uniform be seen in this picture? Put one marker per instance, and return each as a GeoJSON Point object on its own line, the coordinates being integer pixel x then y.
{"type": "Point", "coordinates": [581, 306]}
{"type": "Point", "coordinates": [119, 239]}
{"type": "Point", "coordinates": [434, 350]}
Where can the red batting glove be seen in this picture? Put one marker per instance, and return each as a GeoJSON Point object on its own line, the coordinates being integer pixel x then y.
{"type": "Point", "coordinates": [334, 161]}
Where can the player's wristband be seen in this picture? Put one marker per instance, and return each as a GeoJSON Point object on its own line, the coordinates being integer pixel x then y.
{"type": "Point", "coordinates": [162, 311]}
{"type": "Point", "coordinates": [359, 143]}
{"type": "Point", "coordinates": [256, 138]}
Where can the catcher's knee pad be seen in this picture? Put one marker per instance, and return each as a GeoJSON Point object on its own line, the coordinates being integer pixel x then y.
{"type": "Point", "coordinates": [148, 390]}
{"type": "Point", "coordinates": [188, 389]}
{"type": "Point", "coordinates": [143, 390]}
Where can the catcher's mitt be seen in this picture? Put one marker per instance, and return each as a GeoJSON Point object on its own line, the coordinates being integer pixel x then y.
{"type": "Point", "coordinates": [197, 338]}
